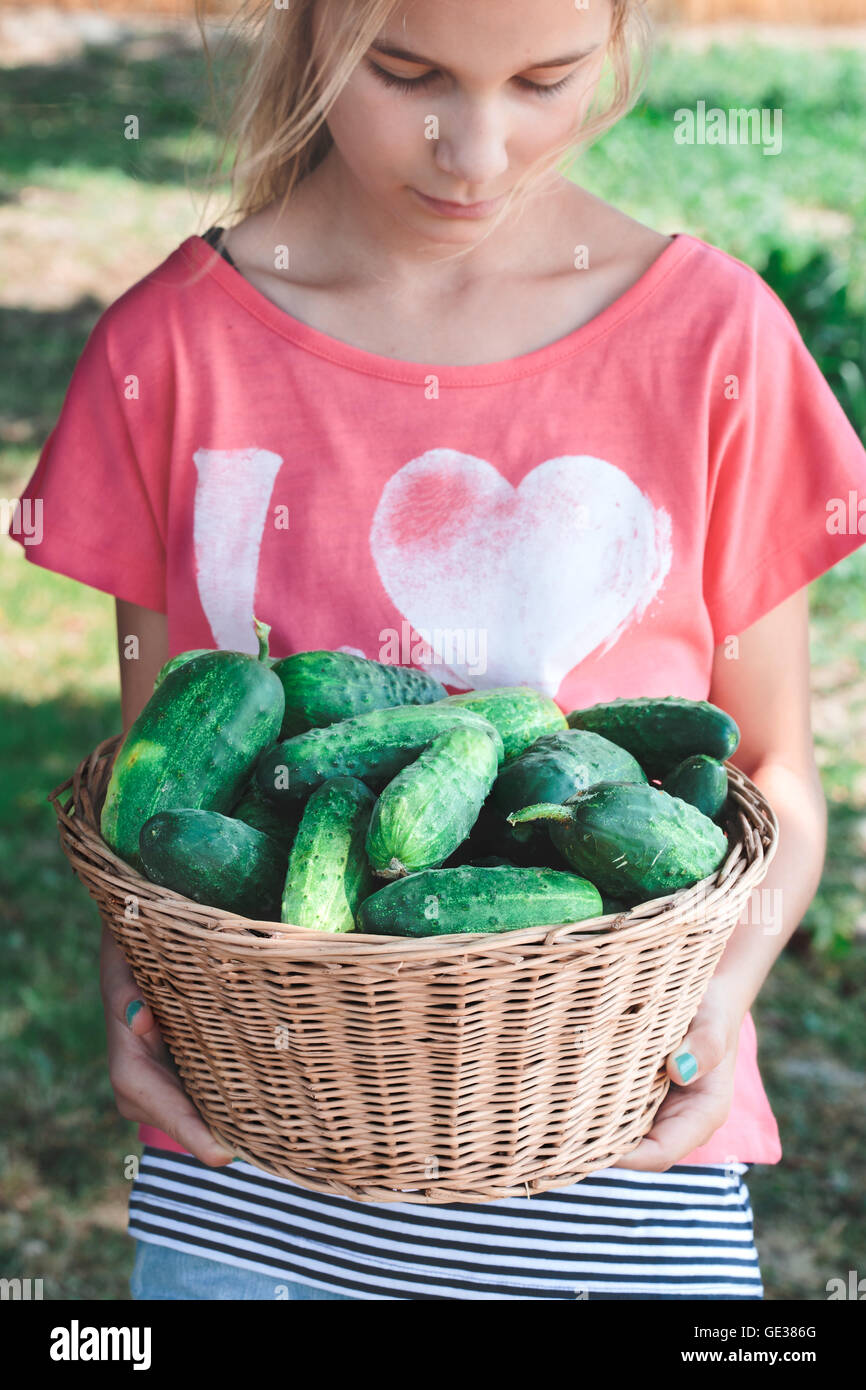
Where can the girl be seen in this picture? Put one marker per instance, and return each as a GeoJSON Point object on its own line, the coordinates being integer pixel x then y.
{"type": "Point", "coordinates": [426, 383]}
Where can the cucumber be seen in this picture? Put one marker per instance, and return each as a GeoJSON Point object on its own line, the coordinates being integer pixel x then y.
{"type": "Point", "coordinates": [520, 713]}
{"type": "Point", "coordinates": [560, 764]}
{"type": "Point", "coordinates": [555, 766]}
{"type": "Point", "coordinates": [429, 808]}
{"type": "Point", "coordinates": [175, 661]}
{"type": "Point", "coordinates": [328, 873]}
{"type": "Point", "coordinates": [700, 780]}
{"type": "Point", "coordinates": [322, 687]}
{"type": "Point", "coordinates": [661, 732]}
{"type": "Point", "coordinates": [436, 902]}
{"type": "Point", "coordinates": [373, 747]}
{"type": "Point", "coordinates": [632, 840]}
{"type": "Point", "coordinates": [215, 860]}
{"type": "Point", "coordinates": [194, 745]}
{"type": "Point", "coordinates": [280, 822]}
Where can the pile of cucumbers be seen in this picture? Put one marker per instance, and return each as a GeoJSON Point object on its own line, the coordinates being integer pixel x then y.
{"type": "Point", "coordinates": [339, 794]}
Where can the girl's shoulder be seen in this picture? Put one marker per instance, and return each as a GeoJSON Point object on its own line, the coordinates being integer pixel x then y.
{"type": "Point", "coordinates": [694, 291]}
{"type": "Point", "coordinates": [725, 292]}
{"type": "Point", "coordinates": [714, 275]}
{"type": "Point", "coordinates": [150, 305]}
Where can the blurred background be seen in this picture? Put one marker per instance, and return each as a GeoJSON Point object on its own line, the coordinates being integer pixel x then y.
{"type": "Point", "coordinates": [85, 213]}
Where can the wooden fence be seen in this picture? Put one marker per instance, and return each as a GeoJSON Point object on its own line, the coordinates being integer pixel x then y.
{"type": "Point", "coordinates": [684, 11]}
{"type": "Point", "coordinates": [766, 11]}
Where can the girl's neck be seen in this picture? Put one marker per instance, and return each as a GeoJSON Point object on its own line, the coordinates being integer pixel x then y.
{"type": "Point", "coordinates": [365, 236]}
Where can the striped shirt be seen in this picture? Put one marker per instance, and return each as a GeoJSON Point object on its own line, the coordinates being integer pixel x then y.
{"type": "Point", "coordinates": [619, 1233]}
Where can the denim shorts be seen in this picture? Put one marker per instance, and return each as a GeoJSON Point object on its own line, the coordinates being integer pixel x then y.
{"type": "Point", "coordinates": [171, 1274]}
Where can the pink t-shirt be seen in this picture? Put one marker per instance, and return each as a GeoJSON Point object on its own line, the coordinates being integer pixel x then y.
{"type": "Point", "coordinates": [592, 517]}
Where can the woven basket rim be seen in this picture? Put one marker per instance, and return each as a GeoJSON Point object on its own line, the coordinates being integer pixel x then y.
{"type": "Point", "coordinates": [79, 818]}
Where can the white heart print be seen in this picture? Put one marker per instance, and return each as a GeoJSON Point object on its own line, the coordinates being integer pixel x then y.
{"type": "Point", "coordinates": [547, 571]}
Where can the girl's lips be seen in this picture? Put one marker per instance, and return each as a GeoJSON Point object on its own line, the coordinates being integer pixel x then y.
{"type": "Point", "coordinates": [448, 209]}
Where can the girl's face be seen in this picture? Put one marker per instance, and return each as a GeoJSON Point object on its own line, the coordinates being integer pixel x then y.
{"type": "Point", "coordinates": [456, 98]}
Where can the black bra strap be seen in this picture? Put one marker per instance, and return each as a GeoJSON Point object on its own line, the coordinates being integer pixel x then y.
{"type": "Point", "coordinates": [213, 236]}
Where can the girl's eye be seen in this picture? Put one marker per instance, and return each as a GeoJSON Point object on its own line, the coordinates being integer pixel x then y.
{"type": "Point", "coordinates": [545, 89]}
{"type": "Point", "coordinates": [414, 84]}
{"type": "Point", "coordinates": [404, 84]}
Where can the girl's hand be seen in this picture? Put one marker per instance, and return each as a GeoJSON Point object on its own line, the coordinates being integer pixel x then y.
{"type": "Point", "coordinates": [139, 1065]}
{"type": "Point", "coordinates": [694, 1108]}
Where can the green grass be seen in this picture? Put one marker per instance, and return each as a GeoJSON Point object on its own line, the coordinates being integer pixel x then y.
{"type": "Point", "coordinates": [62, 1161]}
{"type": "Point", "coordinates": [733, 195]}
{"type": "Point", "coordinates": [75, 124]}
{"type": "Point", "coordinates": [810, 1220]}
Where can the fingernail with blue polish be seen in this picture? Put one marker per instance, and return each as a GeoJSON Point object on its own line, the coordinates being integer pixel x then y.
{"type": "Point", "coordinates": [132, 1009]}
{"type": "Point", "coordinates": [686, 1065]}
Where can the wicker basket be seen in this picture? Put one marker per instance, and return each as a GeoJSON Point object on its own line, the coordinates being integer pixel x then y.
{"type": "Point", "coordinates": [449, 1069]}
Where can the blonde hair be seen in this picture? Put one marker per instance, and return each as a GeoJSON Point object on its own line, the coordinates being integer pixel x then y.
{"type": "Point", "coordinates": [277, 121]}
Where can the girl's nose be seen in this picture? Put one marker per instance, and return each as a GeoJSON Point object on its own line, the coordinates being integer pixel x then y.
{"type": "Point", "coordinates": [472, 147]}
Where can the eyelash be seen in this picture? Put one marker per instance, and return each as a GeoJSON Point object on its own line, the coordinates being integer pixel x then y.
{"type": "Point", "coordinates": [412, 84]}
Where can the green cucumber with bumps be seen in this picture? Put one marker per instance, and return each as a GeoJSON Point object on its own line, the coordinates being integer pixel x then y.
{"type": "Point", "coordinates": [429, 808]}
{"type": "Point", "coordinates": [372, 747]}
{"type": "Point", "coordinates": [182, 657]}
{"type": "Point", "coordinates": [520, 713]}
{"type": "Point", "coordinates": [560, 764]}
{"type": "Point", "coordinates": [323, 687]}
{"type": "Point", "coordinates": [179, 660]}
{"type": "Point", "coordinates": [700, 780]}
{"type": "Point", "coordinates": [553, 768]}
{"type": "Point", "coordinates": [215, 860]}
{"type": "Point", "coordinates": [437, 902]}
{"type": "Point", "coordinates": [631, 839]}
{"type": "Point", "coordinates": [661, 732]}
{"type": "Point", "coordinates": [195, 743]}
{"type": "Point", "coordinates": [328, 874]}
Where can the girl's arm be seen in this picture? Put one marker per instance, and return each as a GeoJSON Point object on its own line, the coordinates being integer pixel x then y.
{"type": "Point", "coordinates": [767, 690]}
{"type": "Point", "coordinates": [763, 681]}
{"type": "Point", "coordinates": [137, 673]}
{"type": "Point", "coordinates": [145, 1086]}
